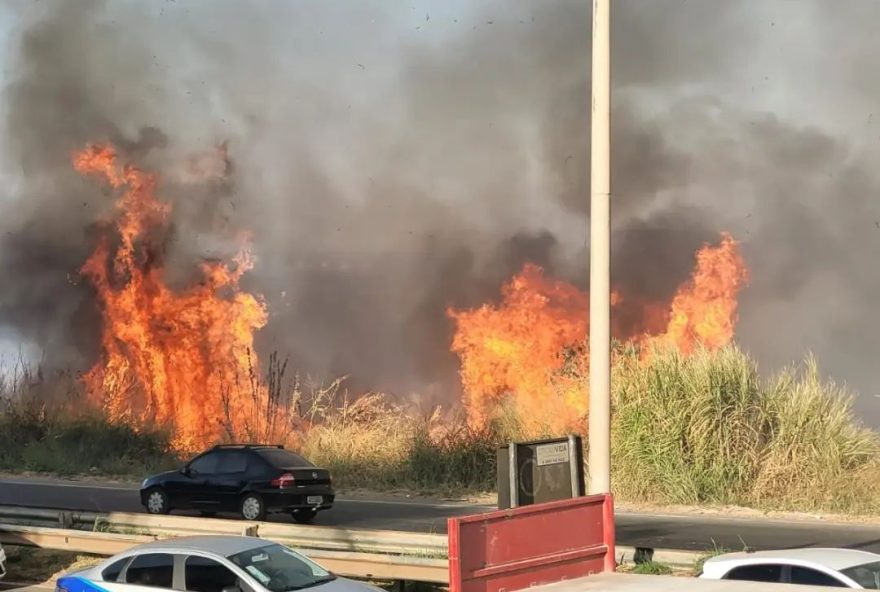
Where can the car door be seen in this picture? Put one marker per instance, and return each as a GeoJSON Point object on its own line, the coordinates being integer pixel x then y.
{"type": "Point", "coordinates": [202, 574]}
{"type": "Point", "coordinates": [149, 570]}
{"type": "Point", "coordinates": [228, 480]}
{"type": "Point", "coordinates": [200, 472]}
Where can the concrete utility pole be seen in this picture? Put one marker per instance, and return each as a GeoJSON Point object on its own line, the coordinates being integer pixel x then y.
{"type": "Point", "coordinates": [600, 246]}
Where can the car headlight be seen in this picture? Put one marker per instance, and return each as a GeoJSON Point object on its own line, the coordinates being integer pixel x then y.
{"type": "Point", "coordinates": [144, 484]}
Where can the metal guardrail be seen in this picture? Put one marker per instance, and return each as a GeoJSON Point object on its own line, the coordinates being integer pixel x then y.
{"type": "Point", "coordinates": [76, 541]}
{"type": "Point", "coordinates": [349, 552]}
{"type": "Point", "coordinates": [357, 553]}
{"type": "Point", "coordinates": [312, 537]}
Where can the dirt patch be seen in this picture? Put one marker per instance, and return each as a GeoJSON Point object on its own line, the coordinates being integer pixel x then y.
{"type": "Point", "coordinates": [739, 512]}
{"type": "Point", "coordinates": [488, 499]}
{"type": "Point", "coordinates": [30, 564]}
{"type": "Point", "coordinates": [87, 478]}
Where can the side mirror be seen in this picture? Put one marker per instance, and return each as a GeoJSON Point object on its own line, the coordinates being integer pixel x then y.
{"type": "Point", "coordinates": [186, 471]}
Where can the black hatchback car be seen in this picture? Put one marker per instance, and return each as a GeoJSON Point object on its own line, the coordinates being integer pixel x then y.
{"type": "Point", "coordinates": [252, 480]}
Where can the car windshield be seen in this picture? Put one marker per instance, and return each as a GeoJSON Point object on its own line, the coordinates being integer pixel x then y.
{"type": "Point", "coordinates": [867, 575]}
{"type": "Point", "coordinates": [280, 569]}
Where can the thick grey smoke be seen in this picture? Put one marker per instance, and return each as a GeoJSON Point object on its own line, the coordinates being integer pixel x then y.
{"type": "Point", "coordinates": [393, 159]}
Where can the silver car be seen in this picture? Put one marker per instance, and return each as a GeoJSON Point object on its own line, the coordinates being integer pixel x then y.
{"type": "Point", "coordinates": [209, 564]}
{"type": "Point", "coordinates": [812, 566]}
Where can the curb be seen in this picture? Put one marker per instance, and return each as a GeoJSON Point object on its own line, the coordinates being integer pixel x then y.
{"type": "Point", "coordinates": [670, 557]}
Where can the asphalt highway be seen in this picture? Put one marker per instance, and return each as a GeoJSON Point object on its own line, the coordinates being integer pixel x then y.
{"type": "Point", "coordinates": [660, 531]}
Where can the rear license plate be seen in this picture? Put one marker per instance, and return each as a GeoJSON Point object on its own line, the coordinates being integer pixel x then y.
{"type": "Point", "coordinates": [315, 500]}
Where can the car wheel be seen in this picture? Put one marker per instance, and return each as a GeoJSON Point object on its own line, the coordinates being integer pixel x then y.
{"type": "Point", "coordinates": [252, 507]}
{"type": "Point", "coordinates": [304, 516]}
{"type": "Point", "coordinates": [157, 501]}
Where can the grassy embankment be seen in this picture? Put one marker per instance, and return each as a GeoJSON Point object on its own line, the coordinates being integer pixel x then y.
{"type": "Point", "coordinates": [698, 429]}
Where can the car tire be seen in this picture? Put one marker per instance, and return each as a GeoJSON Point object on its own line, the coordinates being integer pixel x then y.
{"type": "Point", "coordinates": [304, 516]}
{"type": "Point", "coordinates": [252, 508]}
{"type": "Point", "coordinates": [156, 501]}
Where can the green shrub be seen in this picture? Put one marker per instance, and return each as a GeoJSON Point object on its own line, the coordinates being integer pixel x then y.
{"type": "Point", "coordinates": [652, 568]}
{"type": "Point", "coordinates": [35, 439]}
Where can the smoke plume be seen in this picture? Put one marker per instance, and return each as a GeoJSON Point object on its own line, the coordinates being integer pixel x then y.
{"type": "Point", "coordinates": [390, 161]}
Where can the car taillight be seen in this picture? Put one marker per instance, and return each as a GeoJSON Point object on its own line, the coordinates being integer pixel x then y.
{"type": "Point", "coordinates": [285, 480]}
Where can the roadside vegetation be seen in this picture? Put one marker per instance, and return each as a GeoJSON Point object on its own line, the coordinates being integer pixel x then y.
{"type": "Point", "coordinates": [702, 428]}
{"type": "Point", "coordinates": [45, 426]}
{"type": "Point", "coordinates": [27, 565]}
{"type": "Point", "coordinates": [651, 568]}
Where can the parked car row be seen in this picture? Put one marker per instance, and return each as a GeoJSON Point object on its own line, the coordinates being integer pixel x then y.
{"type": "Point", "coordinates": [252, 480]}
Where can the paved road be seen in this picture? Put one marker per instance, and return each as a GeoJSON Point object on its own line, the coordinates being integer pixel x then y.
{"type": "Point", "coordinates": [648, 530]}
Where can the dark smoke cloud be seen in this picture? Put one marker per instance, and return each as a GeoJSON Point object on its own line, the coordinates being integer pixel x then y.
{"type": "Point", "coordinates": [394, 161]}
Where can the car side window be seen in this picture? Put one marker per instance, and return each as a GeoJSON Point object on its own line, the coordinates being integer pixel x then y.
{"type": "Point", "coordinates": [205, 464]}
{"type": "Point", "coordinates": [767, 572]}
{"type": "Point", "coordinates": [233, 462]}
{"type": "Point", "coordinates": [206, 575]}
{"type": "Point", "coordinates": [151, 569]}
{"type": "Point", "coordinates": [112, 571]}
{"type": "Point", "coordinates": [813, 577]}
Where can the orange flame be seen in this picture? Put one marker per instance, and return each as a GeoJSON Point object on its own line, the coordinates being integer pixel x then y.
{"type": "Point", "coordinates": [704, 311]}
{"type": "Point", "coordinates": [179, 360]}
{"type": "Point", "coordinates": [518, 345]}
{"type": "Point", "coordinates": [513, 353]}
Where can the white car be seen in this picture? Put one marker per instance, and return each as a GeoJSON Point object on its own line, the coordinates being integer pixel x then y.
{"type": "Point", "coordinates": [208, 564]}
{"type": "Point", "coordinates": [841, 568]}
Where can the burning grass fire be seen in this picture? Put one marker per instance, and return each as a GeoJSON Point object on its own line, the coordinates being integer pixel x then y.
{"type": "Point", "coordinates": [185, 360]}
{"type": "Point", "coordinates": [182, 360]}
{"type": "Point", "coordinates": [693, 421]}
{"type": "Point", "coordinates": [514, 351]}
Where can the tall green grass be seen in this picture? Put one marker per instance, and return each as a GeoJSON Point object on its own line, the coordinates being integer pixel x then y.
{"type": "Point", "coordinates": [704, 428]}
